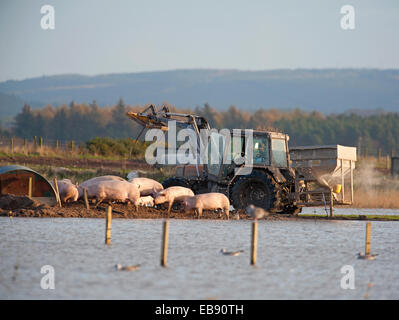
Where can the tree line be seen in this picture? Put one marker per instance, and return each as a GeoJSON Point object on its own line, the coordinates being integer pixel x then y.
{"type": "Point", "coordinates": [83, 122]}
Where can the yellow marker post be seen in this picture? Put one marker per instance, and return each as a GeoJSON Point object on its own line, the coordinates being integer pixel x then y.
{"type": "Point", "coordinates": [165, 236]}
{"type": "Point", "coordinates": [254, 243]}
{"type": "Point", "coordinates": [108, 221]}
{"type": "Point", "coordinates": [368, 238]}
{"type": "Point", "coordinates": [30, 187]}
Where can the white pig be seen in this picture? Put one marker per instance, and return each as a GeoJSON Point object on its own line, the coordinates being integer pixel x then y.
{"type": "Point", "coordinates": [67, 190]}
{"type": "Point", "coordinates": [171, 194]}
{"type": "Point", "coordinates": [146, 186]}
{"type": "Point", "coordinates": [147, 201]}
{"type": "Point", "coordinates": [95, 180]}
{"type": "Point", "coordinates": [113, 190]}
{"type": "Point", "coordinates": [207, 201]}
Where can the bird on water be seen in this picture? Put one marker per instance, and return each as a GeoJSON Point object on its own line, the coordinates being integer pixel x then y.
{"type": "Point", "coordinates": [367, 256]}
{"type": "Point", "coordinates": [256, 212]}
{"type": "Point", "coordinates": [119, 267]}
{"type": "Point", "coordinates": [231, 253]}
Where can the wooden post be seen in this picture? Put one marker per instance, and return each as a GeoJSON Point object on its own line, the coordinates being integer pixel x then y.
{"type": "Point", "coordinates": [254, 242]}
{"type": "Point", "coordinates": [41, 143]}
{"type": "Point", "coordinates": [342, 181]}
{"type": "Point", "coordinates": [25, 145]}
{"type": "Point", "coordinates": [368, 235]}
{"type": "Point", "coordinates": [387, 161]}
{"type": "Point", "coordinates": [30, 188]}
{"type": "Point", "coordinates": [351, 169]}
{"type": "Point", "coordinates": [108, 222]}
{"type": "Point", "coordinates": [165, 236]}
{"type": "Point", "coordinates": [72, 145]}
{"type": "Point", "coordinates": [86, 199]}
{"type": "Point", "coordinates": [57, 193]}
{"type": "Point", "coordinates": [34, 143]}
{"type": "Point", "coordinates": [12, 145]}
{"type": "Point", "coordinates": [56, 145]}
{"type": "Point", "coordinates": [331, 202]}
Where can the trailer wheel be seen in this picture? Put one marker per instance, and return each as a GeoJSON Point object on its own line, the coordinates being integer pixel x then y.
{"type": "Point", "coordinates": [258, 189]}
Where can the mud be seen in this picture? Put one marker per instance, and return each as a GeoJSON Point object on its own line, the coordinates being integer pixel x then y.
{"type": "Point", "coordinates": [15, 206]}
{"type": "Point", "coordinates": [12, 202]}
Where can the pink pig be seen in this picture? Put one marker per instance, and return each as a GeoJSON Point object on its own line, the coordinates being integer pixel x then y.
{"type": "Point", "coordinates": [67, 190]}
{"type": "Point", "coordinates": [147, 186]}
{"type": "Point", "coordinates": [207, 201]}
{"type": "Point", "coordinates": [114, 190]}
{"type": "Point", "coordinates": [96, 180]}
{"type": "Point", "coordinates": [171, 194]}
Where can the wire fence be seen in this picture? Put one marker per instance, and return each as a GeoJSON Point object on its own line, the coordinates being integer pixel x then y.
{"type": "Point", "coordinates": [26, 145]}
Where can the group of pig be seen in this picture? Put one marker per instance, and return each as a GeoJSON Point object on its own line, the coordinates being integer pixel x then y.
{"type": "Point", "coordinates": [142, 192]}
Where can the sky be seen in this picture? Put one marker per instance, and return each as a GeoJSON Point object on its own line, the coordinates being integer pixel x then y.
{"type": "Point", "coordinates": [99, 37]}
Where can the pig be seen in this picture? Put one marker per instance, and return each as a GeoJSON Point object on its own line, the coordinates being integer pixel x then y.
{"type": "Point", "coordinates": [207, 201]}
{"type": "Point", "coordinates": [146, 186]}
{"type": "Point", "coordinates": [113, 190]}
{"type": "Point", "coordinates": [96, 180]}
{"type": "Point", "coordinates": [67, 190]}
{"type": "Point", "coordinates": [171, 194]}
{"type": "Point", "coordinates": [147, 201]}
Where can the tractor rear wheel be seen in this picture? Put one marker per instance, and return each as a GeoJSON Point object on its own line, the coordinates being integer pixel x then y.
{"type": "Point", "coordinates": [174, 181]}
{"type": "Point", "coordinates": [258, 189]}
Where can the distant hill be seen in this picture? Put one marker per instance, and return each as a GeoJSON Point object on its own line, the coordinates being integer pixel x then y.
{"type": "Point", "coordinates": [325, 90]}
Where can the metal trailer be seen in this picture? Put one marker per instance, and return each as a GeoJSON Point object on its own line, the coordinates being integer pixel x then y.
{"type": "Point", "coordinates": [324, 175]}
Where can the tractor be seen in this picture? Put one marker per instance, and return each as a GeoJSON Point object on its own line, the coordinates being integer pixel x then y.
{"type": "Point", "coordinates": [261, 172]}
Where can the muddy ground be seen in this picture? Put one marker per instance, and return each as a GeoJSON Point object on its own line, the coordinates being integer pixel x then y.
{"type": "Point", "coordinates": [15, 206]}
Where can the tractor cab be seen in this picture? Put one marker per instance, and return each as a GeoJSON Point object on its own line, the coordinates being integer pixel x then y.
{"type": "Point", "coordinates": [245, 149]}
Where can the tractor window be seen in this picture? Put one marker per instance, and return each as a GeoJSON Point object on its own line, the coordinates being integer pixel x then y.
{"type": "Point", "coordinates": [236, 147]}
{"type": "Point", "coordinates": [261, 150]}
{"type": "Point", "coordinates": [279, 153]}
{"type": "Point", "coordinates": [215, 153]}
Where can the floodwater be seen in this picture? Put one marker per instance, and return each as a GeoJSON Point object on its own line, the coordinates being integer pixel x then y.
{"type": "Point", "coordinates": [296, 259]}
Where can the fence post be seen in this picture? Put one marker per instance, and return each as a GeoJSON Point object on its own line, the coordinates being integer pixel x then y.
{"type": "Point", "coordinates": [368, 234]}
{"type": "Point", "coordinates": [25, 145]}
{"type": "Point", "coordinates": [108, 221]}
{"type": "Point", "coordinates": [30, 187]}
{"type": "Point", "coordinates": [12, 145]}
{"type": "Point", "coordinates": [58, 192]}
{"type": "Point", "coordinates": [165, 236]}
{"type": "Point", "coordinates": [41, 143]}
{"type": "Point", "coordinates": [34, 143]}
{"type": "Point", "coordinates": [254, 242]}
{"type": "Point", "coordinates": [86, 199]}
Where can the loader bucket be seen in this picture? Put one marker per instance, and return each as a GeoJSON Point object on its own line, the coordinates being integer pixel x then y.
{"type": "Point", "coordinates": [146, 121]}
